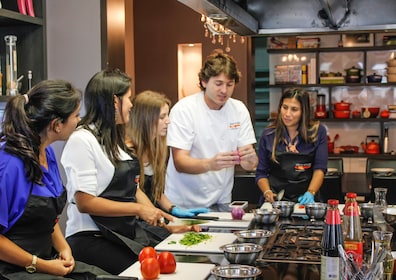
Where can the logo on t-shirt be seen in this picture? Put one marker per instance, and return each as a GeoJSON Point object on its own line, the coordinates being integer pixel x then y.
{"type": "Point", "coordinates": [235, 125]}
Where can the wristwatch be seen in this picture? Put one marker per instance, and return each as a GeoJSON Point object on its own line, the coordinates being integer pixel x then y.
{"type": "Point", "coordinates": [32, 267]}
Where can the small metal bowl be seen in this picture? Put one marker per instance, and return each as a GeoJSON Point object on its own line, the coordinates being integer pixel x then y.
{"type": "Point", "coordinates": [257, 236]}
{"type": "Point", "coordinates": [316, 210]}
{"type": "Point", "coordinates": [366, 210]}
{"type": "Point", "coordinates": [390, 216]}
{"type": "Point", "coordinates": [266, 216]}
{"type": "Point", "coordinates": [233, 271]}
{"type": "Point", "coordinates": [286, 207]}
{"type": "Point", "coordinates": [241, 253]}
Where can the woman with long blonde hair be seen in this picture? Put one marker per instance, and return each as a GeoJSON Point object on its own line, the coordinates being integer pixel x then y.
{"type": "Point", "coordinates": [147, 138]}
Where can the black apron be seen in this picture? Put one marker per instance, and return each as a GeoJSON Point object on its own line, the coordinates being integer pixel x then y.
{"type": "Point", "coordinates": [127, 230]}
{"type": "Point", "coordinates": [33, 231]}
{"type": "Point", "coordinates": [293, 173]}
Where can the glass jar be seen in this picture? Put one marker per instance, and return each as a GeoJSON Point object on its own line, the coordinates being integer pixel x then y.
{"type": "Point", "coordinates": [11, 65]}
{"type": "Point", "coordinates": [381, 241]}
{"type": "Point", "coordinates": [380, 205]}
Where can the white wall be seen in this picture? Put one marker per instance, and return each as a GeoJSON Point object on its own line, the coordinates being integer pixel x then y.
{"type": "Point", "coordinates": [73, 47]}
{"type": "Point", "coordinates": [73, 42]}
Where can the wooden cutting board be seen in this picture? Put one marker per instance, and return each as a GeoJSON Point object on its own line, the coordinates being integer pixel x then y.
{"type": "Point", "coordinates": [212, 245]}
{"type": "Point", "coordinates": [191, 271]}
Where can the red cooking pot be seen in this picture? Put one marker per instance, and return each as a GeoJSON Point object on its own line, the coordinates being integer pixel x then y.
{"type": "Point", "coordinates": [342, 106]}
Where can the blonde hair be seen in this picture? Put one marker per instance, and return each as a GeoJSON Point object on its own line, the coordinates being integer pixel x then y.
{"type": "Point", "coordinates": [142, 136]}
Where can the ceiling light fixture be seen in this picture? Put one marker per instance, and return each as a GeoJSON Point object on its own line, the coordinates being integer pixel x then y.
{"type": "Point", "coordinates": [215, 29]}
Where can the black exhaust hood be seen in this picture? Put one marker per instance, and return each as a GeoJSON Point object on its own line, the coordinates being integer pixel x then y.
{"type": "Point", "coordinates": [296, 17]}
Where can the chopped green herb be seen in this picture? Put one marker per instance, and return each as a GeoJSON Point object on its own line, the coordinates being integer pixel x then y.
{"type": "Point", "coordinates": [172, 242]}
{"type": "Point", "coordinates": [193, 238]}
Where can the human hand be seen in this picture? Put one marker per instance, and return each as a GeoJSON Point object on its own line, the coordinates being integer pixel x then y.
{"type": "Point", "coordinates": [154, 216]}
{"type": "Point", "coordinates": [224, 160]}
{"type": "Point", "coordinates": [269, 196]}
{"type": "Point", "coordinates": [56, 267]}
{"type": "Point", "coordinates": [248, 157]}
{"type": "Point", "coordinates": [180, 212]}
{"type": "Point", "coordinates": [67, 256]}
{"type": "Point", "coordinates": [306, 198]}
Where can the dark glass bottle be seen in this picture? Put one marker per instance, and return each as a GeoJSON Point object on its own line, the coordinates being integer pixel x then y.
{"type": "Point", "coordinates": [332, 237]}
{"type": "Point", "coordinates": [353, 242]}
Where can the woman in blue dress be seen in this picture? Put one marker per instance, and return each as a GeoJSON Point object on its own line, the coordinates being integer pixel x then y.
{"type": "Point", "coordinates": [32, 197]}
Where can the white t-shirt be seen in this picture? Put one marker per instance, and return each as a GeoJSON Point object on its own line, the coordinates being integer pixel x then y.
{"type": "Point", "coordinates": [88, 170]}
{"type": "Point", "coordinates": [205, 132]}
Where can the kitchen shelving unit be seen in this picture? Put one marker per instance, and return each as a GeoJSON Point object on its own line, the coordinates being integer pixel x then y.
{"type": "Point", "coordinates": [336, 60]}
{"type": "Point", "coordinates": [31, 41]}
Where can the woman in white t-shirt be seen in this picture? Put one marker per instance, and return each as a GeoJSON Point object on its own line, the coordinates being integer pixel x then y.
{"type": "Point", "coordinates": [105, 202]}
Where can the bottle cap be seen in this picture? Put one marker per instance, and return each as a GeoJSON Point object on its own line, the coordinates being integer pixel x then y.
{"type": "Point", "coordinates": [351, 195]}
{"type": "Point", "coordinates": [333, 202]}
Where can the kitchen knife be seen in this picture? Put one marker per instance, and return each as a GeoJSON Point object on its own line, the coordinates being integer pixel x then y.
{"type": "Point", "coordinates": [204, 217]}
{"type": "Point", "coordinates": [187, 222]}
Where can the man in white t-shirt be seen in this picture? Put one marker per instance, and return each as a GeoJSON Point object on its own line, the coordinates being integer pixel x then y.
{"type": "Point", "coordinates": [209, 133]}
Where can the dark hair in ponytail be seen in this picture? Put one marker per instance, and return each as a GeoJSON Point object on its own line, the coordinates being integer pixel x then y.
{"type": "Point", "coordinates": [27, 116]}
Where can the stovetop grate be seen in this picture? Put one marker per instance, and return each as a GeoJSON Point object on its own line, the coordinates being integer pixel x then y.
{"type": "Point", "coordinates": [293, 243]}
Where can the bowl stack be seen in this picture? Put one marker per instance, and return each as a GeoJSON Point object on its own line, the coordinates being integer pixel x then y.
{"type": "Point", "coordinates": [391, 70]}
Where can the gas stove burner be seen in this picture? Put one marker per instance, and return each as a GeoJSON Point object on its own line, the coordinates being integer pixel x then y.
{"type": "Point", "coordinates": [300, 243]}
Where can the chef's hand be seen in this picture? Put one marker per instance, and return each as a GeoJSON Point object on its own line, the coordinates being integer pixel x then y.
{"type": "Point", "coordinates": [306, 198]}
{"type": "Point", "coordinates": [180, 212]}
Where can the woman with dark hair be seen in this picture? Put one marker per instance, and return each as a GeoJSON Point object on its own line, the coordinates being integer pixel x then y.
{"type": "Point", "coordinates": [292, 151]}
{"type": "Point", "coordinates": [32, 196]}
{"type": "Point", "coordinates": [105, 200]}
{"type": "Point", "coordinates": [147, 137]}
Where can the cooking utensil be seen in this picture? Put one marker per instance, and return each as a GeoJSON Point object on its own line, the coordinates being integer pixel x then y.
{"type": "Point", "coordinates": [342, 106]}
{"type": "Point", "coordinates": [257, 236]}
{"type": "Point", "coordinates": [316, 210]}
{"type": "Point", "coordinates": [202, 217]}
{"type": "Point", "coordinates": [373, 111]}
{"type": "Point", "coordinates": [286, 207]}
{"type": "Point", "coordinates": [241, 253]}
{"type": "Point", "coordinates": [234, 271]}
{"type": "Point", "coordinates": [374, 78]}
{"type": "Point", "coordinates": [266, 216]}
{"type": "Point", "coordinates": [366, 113]}
{"type": "Point", "coordinates": [371, 147]}
{"type": "Point", "coordinates": [280, 195]}
{"type": "Point", "coordinates": [341, 114]}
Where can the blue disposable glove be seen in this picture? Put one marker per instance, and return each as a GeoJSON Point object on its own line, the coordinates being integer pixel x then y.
{"type": "Point", "coordinates": [185, 213]}
{"type": "Point", "coordinates": [306, 198]}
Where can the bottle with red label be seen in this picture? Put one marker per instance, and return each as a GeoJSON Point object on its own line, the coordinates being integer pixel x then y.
{"type": "Point", "coordinates": [332, 237]}
{"type": "Point", "coordinates": [353, 242]}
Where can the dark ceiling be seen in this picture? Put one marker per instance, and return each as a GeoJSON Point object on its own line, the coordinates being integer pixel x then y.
{"type": "Point", "coordinates": [294, 17]}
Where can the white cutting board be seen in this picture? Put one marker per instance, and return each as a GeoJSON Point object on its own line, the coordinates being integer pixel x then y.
{"type": "Point", "coordinates": [212, 245]}
{"type": "Point", "coordinates": [191, 271]}
{"type": "Point", "coordinates": [225, 220]}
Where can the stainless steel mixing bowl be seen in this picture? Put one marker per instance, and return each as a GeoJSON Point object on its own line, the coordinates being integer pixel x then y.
{"type": "Point", "coordinates": [241, 253]}
{"type": "Point", "coordinates": [235, 271]}
{"type": "Point", "coordinates": [266, 216]}
{"type": "Point", "coordinates": [257, 236]}
{"type": "Point", "coordinates": [286, 207]}
{"type": "Point", "coordinates": [316, 210]}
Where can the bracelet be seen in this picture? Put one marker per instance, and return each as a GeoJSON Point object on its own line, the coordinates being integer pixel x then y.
{"type": "Point", "coordinates": [265, 193]}
{"type": "Point", "coordinates": [311, 192]}
{"type": "Point", "coordinates": [171, 208]}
